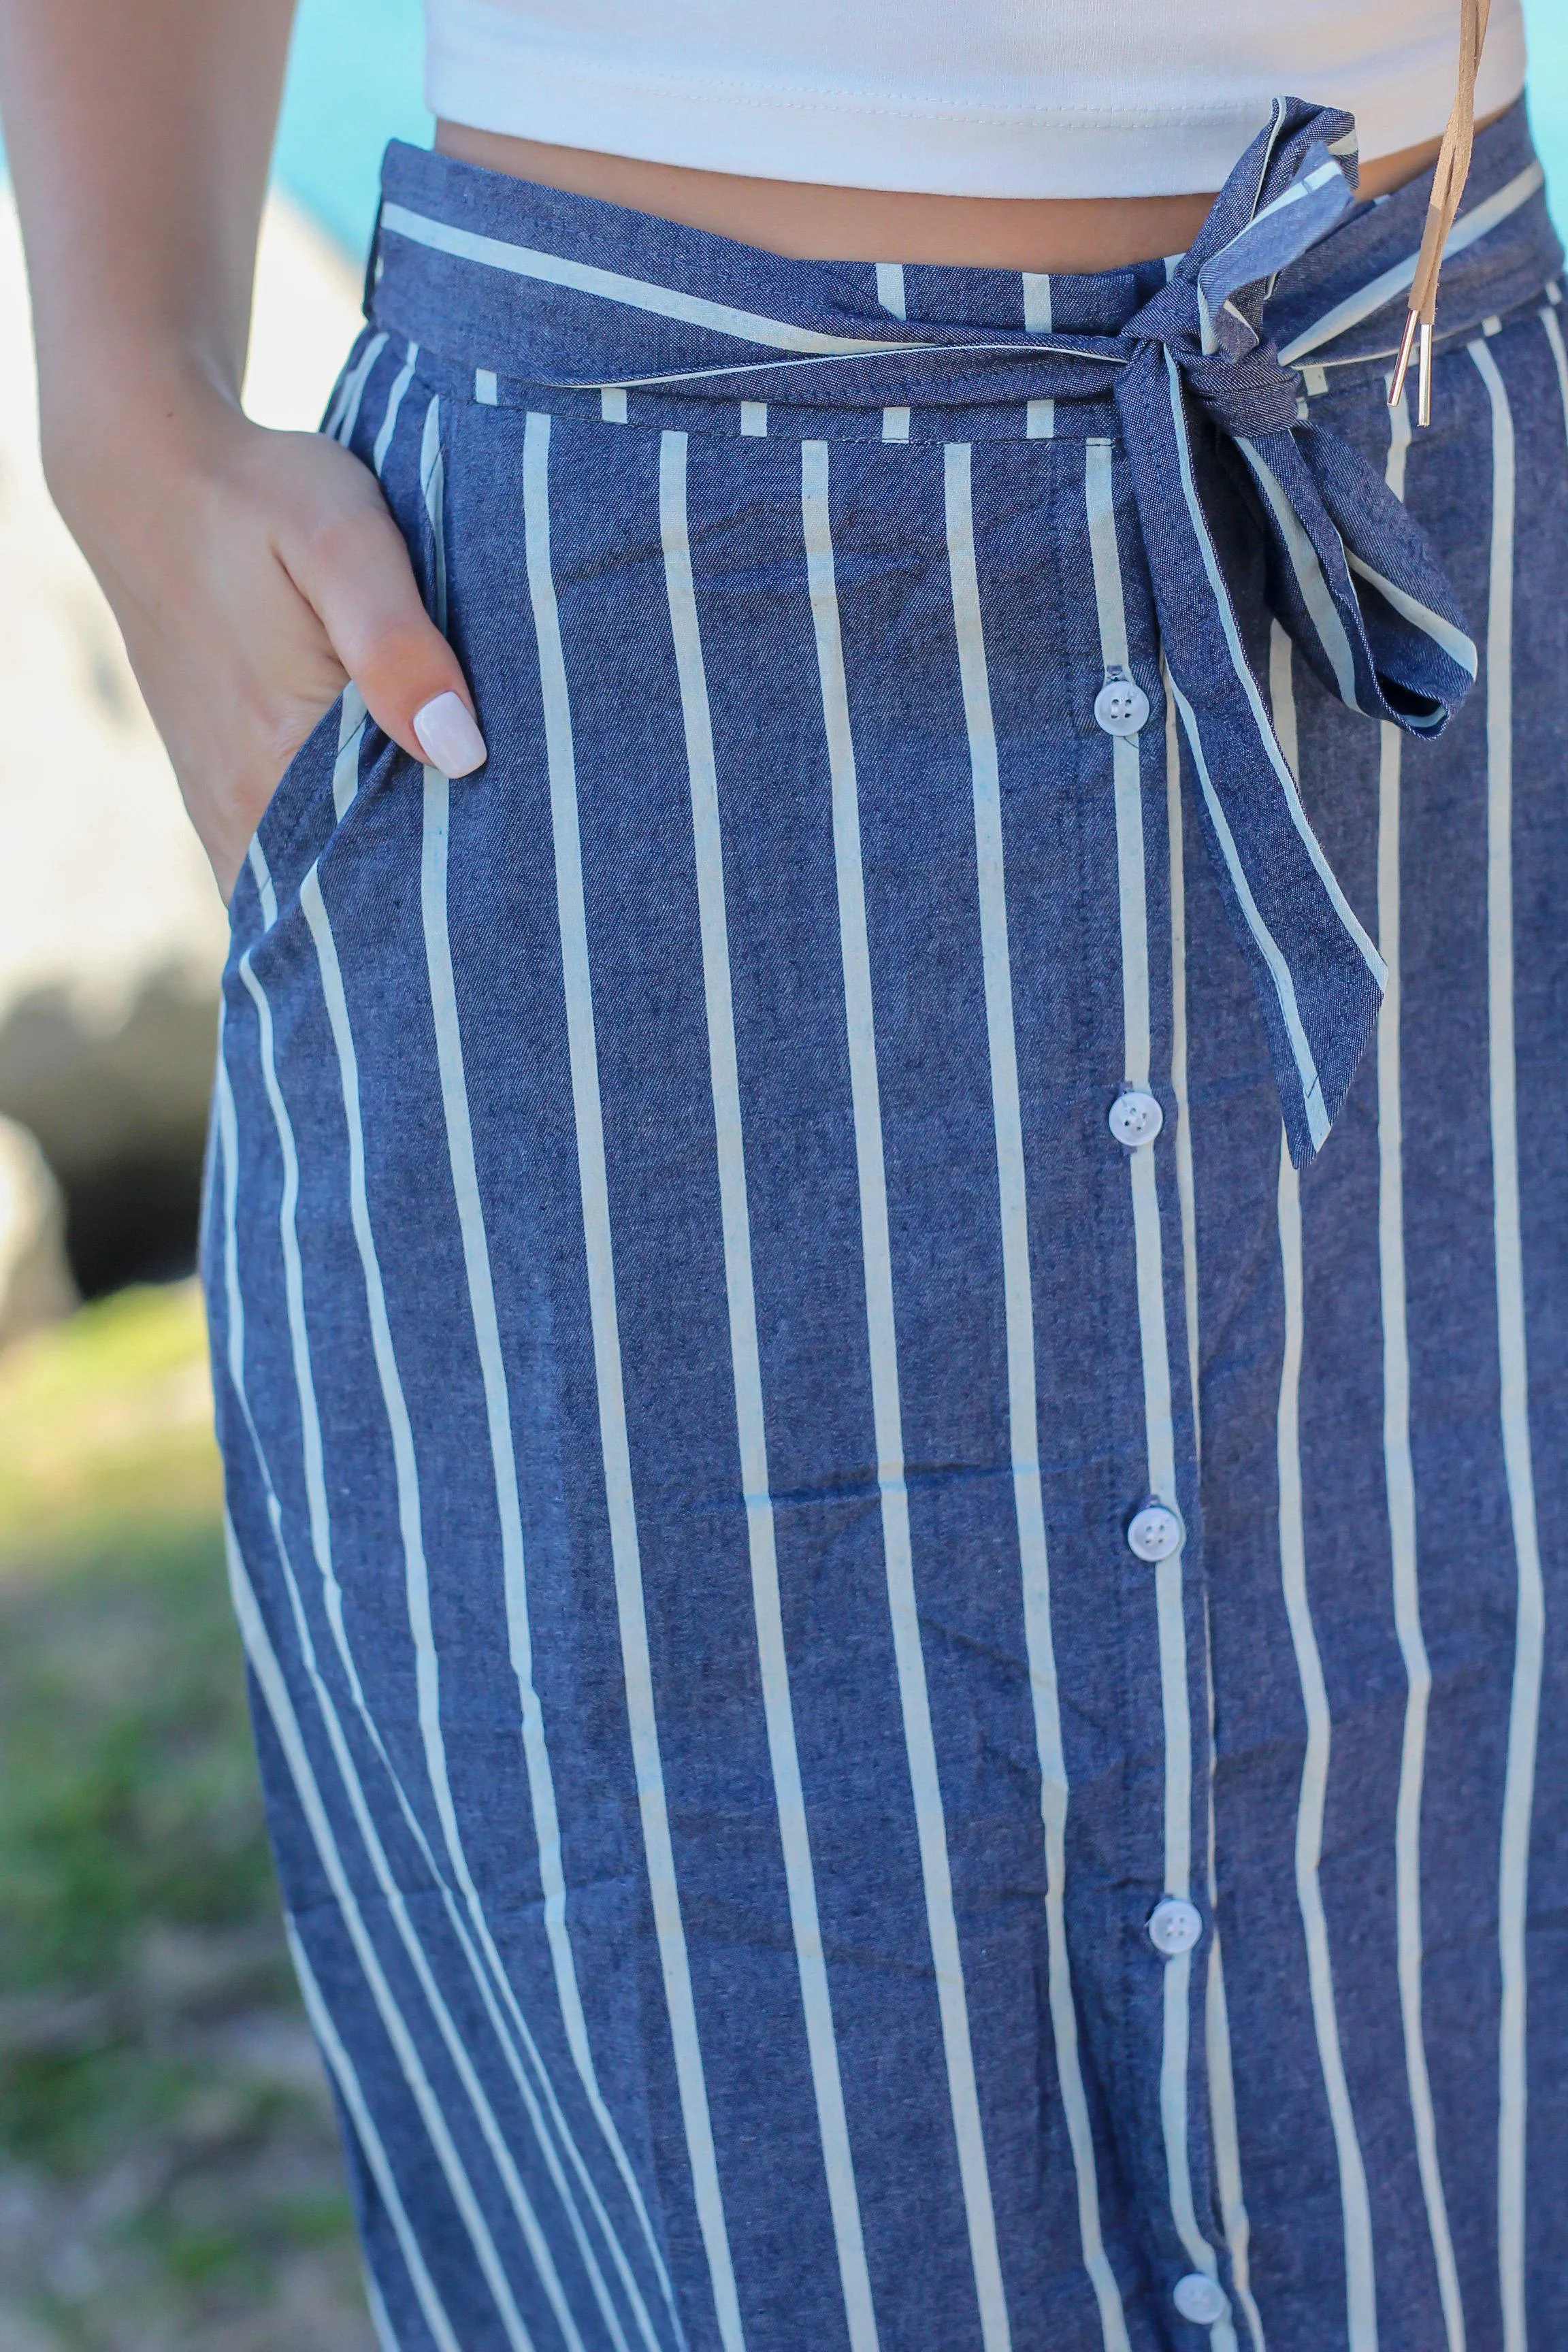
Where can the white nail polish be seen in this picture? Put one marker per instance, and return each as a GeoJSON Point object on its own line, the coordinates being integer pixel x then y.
{"type": "Point", "coordinates": [448, 737]}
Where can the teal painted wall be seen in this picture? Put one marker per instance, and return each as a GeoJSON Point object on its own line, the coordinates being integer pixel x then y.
{"type": "Point", "coordinates": [354, 82]}
{"type": "Point", "coordinates": [1547, 22]}
{"type": "Point", "coordinates": [355, 76]}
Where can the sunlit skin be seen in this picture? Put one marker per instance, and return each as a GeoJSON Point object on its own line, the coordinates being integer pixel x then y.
{"type": "Point", "coordinates": [253, 571]}
{"type": "Point", "coordinates": [819, 223]}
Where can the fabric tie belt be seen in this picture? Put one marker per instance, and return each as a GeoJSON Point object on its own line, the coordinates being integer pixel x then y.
{"type": "Point", "coordinates": [1352, 577]}
{"type": "Point", "coordinates": [1349, 574]}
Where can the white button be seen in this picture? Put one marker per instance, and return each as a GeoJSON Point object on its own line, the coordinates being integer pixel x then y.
{"type": "Point", "coordinates": [1155, 1532]}
{"type": "Point", "coordinates": [1120, 708]}
{"type": "Point", "coordinates": [1135, 1118]}
{"type": "Point", "coordinates": [1200, 2298]}
{"type": "Point", "coordinates": [1174, 1925]}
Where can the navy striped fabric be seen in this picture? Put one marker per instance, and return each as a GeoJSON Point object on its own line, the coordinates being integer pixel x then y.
{"type": "Point", "coordinates": [822, 1517]}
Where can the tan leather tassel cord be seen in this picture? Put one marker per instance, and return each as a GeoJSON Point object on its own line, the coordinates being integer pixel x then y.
{"type": "Point", "coordinates": [1447, 187]}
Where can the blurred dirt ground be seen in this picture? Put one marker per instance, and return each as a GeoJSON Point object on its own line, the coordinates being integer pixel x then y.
{"type": "Point", "coordinates": [169, 2173]}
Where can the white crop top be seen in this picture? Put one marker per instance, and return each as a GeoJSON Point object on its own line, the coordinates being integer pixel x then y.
{"type": "Point", "coordinates": [987, 98]}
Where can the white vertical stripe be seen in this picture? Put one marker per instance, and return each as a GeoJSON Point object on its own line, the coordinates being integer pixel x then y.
{"type": "Point", "coordinates": [1037, 302]}
{"type": "Point", "coordinates": [1134, 933]}
{"type": "Point", "coordinates": [1242, 668]}
{"type": "Point", "coordinates": [1222, 2117]}
{"type": "Point", "coordinates": [400, 1429]}
{"type": "Point", "coordinates": [1128, 789]}
{"type": "Point", "coordinates": [755, 418]}
{"type": "Point", "coordinates": [1282, 694]}
{"type": "Point", "coordinates": [400, 385]}
{"type": "Point", "coordinates": [881, 1334]}
{"type": "Point", "coordinates": [1023, 1416]}
{"type": "Point", "coordinates": [269, 1675]}
{"type": "Point", "coordinates": [358, 2111]}
{"type": "Point", "coordinates": [1040, 420]}
{"type": "Point", "coordinates": [1266, 944]}
{"type": "Point", "coordinates": [1459, 648]}
{"type": "Point", "coordinates": [433, 898]}
{"type": "Point", "coordinates": [385, 2334]}
{"type": "Point", "coordinates": [1361, 2298]}
{"type": "Point", "coordinates": [351, 735]}
{"type": "Point", "coordinates": [890, 287]}
{"type": "Point", "coordinates": [1174, 2062]}
{"type": "Point", "coordinates": [256, 859]}
{"type": "Point", "coordinates": [320, 1535]}
{"type": "Point", "coordinates": [345, 413]}
{"type": "Point", "coordinates": [514, 1575]}
{"type": "Point", "coordinates": [294, 1298]}
{"type": "Point", "coordinates": [637, 1661]}
{"type": "Point", "coordinates": [1524, 1709]}
{"type": "Point", "coordinates": [1159, 1434]}
{"type": "Point", "coordinates": [1314, 588]}
{"type": "Point", "coordinates": [613, 404]}
{"type": "Point", "coordinates": [1560, 357]}
{"type": "Point", "coordinates": [431, 483]}
{"type": "Point", "coordinates": [746, 1360]}
{"type": "Point", "coordinates": [339, 399]}
{"type": "Point", "coordinates": [1217, 2012]}
{"type": "Point", "coordinates": [1187, 1189]}
{"type": "Point", "coordinates": [486, 389]}
{"type": "Point", "coordinates": [1399, 1474]}
{"type": "Point", "coordinates": [313, 909]}
{"type": "Point", "coordinates": [895, 423]}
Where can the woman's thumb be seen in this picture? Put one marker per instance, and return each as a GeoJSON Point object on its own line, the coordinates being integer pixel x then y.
{"type": "Point", "coordinates": [412, 681]}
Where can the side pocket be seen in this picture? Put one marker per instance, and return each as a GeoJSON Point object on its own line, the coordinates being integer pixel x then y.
{"type": "Point", "coordinates": [321, 780]}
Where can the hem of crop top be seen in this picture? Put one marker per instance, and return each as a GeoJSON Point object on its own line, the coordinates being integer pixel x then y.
{"type": "Point", "coordinates": [908, 141]}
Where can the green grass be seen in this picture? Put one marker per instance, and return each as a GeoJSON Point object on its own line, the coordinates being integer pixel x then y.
{"type": "Point", "coordinates": [169, 2176]}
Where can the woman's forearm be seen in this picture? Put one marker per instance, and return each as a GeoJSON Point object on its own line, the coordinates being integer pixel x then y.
{"type": "Point", "coordinates": [251, 572]}
{"type": "Point", "coordinates": [138, 134]}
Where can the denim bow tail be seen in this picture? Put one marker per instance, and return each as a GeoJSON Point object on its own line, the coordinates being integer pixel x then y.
{"type": "Point", "coordinates": [1349, 575]}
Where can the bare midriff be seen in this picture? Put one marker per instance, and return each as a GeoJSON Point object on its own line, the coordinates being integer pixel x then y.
{"type": "Point", "coordinates": [810, 223]}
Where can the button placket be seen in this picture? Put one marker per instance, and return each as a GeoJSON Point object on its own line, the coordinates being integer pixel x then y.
{"type": "Point", "coordinates": [1175, 1926]}
{"type": "Point", "coordinates": [1152, 1526]}
{"type": "Point", "coordinates": [1135, 1118]}
{"type": "Point", "coordinates": [1122, 707]}
{"type": "Point", "coordinates": [1154, 1531]}
{"type": "Point", "coordinates": [1200, 2299]}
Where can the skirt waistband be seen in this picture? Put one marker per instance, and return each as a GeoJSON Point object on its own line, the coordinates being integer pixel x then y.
{"type": "Point", "coordinates": [513, 291]}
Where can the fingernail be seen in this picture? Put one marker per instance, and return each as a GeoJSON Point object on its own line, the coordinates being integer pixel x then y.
{"type": "Point", "coordinates": [448, 737]}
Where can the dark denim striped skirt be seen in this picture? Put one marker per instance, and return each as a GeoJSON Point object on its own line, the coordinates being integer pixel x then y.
{"type": "Point", "coordinates": [892, 1308]}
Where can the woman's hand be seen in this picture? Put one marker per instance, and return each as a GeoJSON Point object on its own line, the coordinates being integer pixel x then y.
{"type": "Point", "coordinates": [253, 572]}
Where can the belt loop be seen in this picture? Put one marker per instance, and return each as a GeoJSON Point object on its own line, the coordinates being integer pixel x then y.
{"type": "Point", "coordinates": [372, 259]}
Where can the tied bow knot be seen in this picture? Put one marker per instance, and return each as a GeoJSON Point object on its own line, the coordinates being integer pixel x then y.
{"type": "Point", "coordinates": [1351, 577]}
{"type": "Point", "coordinates": [1246, 394]}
